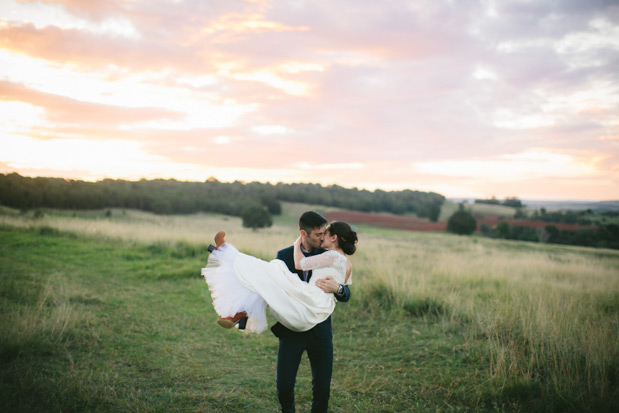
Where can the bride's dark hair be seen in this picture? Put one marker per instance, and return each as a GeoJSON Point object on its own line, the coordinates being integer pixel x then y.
{"type": "Point", "coordinates": [346, 237]}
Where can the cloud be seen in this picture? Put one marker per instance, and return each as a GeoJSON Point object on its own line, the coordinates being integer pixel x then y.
{"type": "Point", "coordinates": [532, 164]}
{"type": "Point", "coordinates": [424, 94]}
{"type": "Point", "coordinates": [62, 110]}
{"type": "Point", "coordinates": [87, 51]}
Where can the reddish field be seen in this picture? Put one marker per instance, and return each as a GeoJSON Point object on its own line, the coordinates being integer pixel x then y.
{"type": "Point", "coordinates": [423, 224]}
{"type": "Point", "coordinates": [386, 221]}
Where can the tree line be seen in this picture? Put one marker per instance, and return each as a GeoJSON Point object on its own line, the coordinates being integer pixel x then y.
{"type": "Point", "coordinates": [513, 202]}
{"type": "Point", "coordinates": [603, 236]}
{"type": "Point", "coordinates": [169, 196]}
{"type": "Point", "coordinates": [463, 222]}
{"type": "Point", "coordinates": [584, 217]}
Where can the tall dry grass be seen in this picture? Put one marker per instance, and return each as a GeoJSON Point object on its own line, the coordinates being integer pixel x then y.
{"type": "Point", "coordinates": [547, 316]}
{"type": "Point", "coordinates": [147, 228]}
{"type": "Point", "coordinates": [38, 327]}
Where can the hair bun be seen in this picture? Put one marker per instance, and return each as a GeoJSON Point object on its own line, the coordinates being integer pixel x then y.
{"type": "Point", "coordinates": [347, 238]}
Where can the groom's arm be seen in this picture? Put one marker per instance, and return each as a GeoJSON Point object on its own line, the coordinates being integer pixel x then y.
{"type": "Point", "coordinates": [345, 296]}
{"type": "Point", "coordinates": [331, 286]}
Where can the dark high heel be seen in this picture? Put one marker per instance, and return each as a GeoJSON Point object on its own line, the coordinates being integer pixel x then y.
{"type": "Point", "coordinates": [229, 322]}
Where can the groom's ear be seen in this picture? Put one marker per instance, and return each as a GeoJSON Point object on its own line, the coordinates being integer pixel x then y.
{"type": "Point", "coordinates": [303, 233]}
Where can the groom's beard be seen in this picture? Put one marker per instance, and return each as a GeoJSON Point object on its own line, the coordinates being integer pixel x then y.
{"type": "Point", "coordinates": [314, 245]}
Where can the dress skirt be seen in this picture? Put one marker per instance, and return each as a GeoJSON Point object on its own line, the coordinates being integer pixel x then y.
{"type": "Point", "coordinates": [239, 282]}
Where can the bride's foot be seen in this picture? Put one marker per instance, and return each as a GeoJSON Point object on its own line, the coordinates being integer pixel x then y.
{"type": "Point", "coordinates": [219, 239]}
{"type": "Point", "coordinates": [229, 322]}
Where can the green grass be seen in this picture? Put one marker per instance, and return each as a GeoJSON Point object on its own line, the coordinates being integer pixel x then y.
{"type": "Point", "coordinates": [122, 327]}
{"type": "Point", "coordinates": [449, 208]}
{"type": "Point", "coordinates": [95, 318]}
{"type": "Point", "coordinates": [115, 327]}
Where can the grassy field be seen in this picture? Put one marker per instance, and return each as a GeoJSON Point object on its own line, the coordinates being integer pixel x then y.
{"type": "Point", "coordinates": [107, 312]}
{"type": "Point", "coordinates": [449, 208]}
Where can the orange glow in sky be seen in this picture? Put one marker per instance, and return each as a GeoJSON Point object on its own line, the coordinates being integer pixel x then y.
{"type": "Point", "coordinates": [425, 95]}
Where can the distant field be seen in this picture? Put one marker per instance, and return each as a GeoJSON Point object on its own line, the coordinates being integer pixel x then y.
{"type": "Point", "coordinates": [497, 210]}
{"type": "Point", "coordinates": [408, 223]}
{"type": "Point", "coordinates": [106, 312]}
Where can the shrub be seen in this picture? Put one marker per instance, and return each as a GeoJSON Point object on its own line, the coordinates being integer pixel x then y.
{"type": "Point", "coordinates": [502, 229]}
{"type": "Point", "coordinates": [485, 229]}
{"type": "Point", "coordinates": [255, 216]}
{"type": "Point", "coordinates": [46, 230]}
{"type": "Point", "coordinates": [423, 306]}
{"type": "Point", "coordinates": [273, 206]}
{"type": "Point", "coordinates": [435, 212]}
{"type": "Point", "coordinates": [462, 223]}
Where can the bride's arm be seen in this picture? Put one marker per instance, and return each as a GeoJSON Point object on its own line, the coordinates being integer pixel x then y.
{"type": "Point", "coordinates": [298, 255]}
{"type": "Point", "coordinates": [322, 260]}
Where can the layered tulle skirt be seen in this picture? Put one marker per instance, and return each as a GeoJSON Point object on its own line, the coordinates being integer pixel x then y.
{"type": "Point", "coordinates": [239, 282]}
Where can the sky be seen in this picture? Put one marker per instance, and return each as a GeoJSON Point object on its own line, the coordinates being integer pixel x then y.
{"type": "Point", "coordinates": [467, 98]}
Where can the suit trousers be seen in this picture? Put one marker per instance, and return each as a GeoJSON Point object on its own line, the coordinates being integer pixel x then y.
{"type": "Point", "coordinates": [319, 346]}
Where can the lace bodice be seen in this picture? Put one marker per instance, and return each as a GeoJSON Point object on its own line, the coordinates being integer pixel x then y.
{"type": "Point", "coordinates": [329, 259]}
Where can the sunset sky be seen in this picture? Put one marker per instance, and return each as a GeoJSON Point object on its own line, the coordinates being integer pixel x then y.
{"type": "Point", "coordinates": [465, 98]}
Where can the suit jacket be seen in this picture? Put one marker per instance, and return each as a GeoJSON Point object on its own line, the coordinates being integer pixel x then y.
{"type": "Point", "coordinates": [322, 329]}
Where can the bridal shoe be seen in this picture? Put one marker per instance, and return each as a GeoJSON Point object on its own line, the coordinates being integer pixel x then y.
{"type": "Point", "coordinates": [219, 241]}
{"type": "Point", "coordinates": [229, 322]}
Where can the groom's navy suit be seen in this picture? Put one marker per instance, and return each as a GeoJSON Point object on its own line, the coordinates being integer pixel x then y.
{"type": "Point", "coordinates": [316, 341]}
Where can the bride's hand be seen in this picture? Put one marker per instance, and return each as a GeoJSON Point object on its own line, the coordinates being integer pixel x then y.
{"type": "Point", "coordinates": [328, 285]}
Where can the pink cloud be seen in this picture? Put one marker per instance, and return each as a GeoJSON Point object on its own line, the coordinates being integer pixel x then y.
{"type": "Point", "coordinates": [63, 110]}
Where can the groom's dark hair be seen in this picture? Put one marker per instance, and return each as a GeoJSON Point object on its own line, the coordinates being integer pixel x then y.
{"type": "Point", "coordinates": [311, 220]}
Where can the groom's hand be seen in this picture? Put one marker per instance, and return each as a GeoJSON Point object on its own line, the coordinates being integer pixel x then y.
{"type": "Point", "coordinates": [328, 285]}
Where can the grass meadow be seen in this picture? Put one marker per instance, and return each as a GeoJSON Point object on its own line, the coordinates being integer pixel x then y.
{"type": "Point", "coordinates": [450, 207]}
{"type": "Point", "coordinates": [106, 311]}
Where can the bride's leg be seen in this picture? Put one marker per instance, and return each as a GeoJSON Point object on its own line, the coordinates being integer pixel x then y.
{"type": "Point", "coordinates": [219, 239]}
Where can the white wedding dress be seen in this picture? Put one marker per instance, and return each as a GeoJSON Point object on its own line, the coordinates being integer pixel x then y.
{"type": "Point", "coordinates": [239, 282]}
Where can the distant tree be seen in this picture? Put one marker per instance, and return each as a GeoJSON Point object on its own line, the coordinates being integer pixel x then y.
{"type": "Point", "coordinates": [485, 229]}
{"type": "Point", "coordinates": [513, 202]}
{"type": "Point", "coordinates": [502, 229]}
{"type": "Point", "coordinates": [491, 201]}
{"type": "Point", "coordinates": [462, 223]}
{"type": "Point", "coordinates": [520, 213]}
{"type": "Point", "coordinates": [273, 206]}
{"type": "Point", "coordinates": [256, 216]}
{"type": "Point", "coordinates": [523, 233]}
{"type": "Point", "coordinates": [553, 233]}
{"type": "Point", "coordinates": [434, 213]}
{"type": "Point", "coordinates": [542, 235]}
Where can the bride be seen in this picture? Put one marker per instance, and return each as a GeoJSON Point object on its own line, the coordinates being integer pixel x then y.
{"type": "Point", "coordinates": [242, 285]}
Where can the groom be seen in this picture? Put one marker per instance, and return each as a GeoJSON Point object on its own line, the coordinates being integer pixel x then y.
{"type": "Point", "coordinates": [317, 341]}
